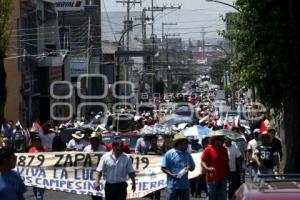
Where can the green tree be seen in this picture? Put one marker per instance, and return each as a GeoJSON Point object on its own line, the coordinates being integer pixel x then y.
{"type": "Point", "coordinates": [5, 8]}
{"type": "Point", "coordinates": [266, 35]}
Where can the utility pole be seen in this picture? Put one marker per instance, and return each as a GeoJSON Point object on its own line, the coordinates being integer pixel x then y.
{"type": "Point", "coordinates": [128, 21]}
{"type": "Point", "coordinates": [159, 9]}
{"type": "Point", "coordinates": [153, 9]}
{"type": "Point", "coordinates": [100, 35]}
{"type": "Point", "coordinates": [127, 26]}
{"type": "Point", "coordinates": [88, 51]}
{"type": "Point", "coordinates": [152, 17]}
{"type": "Point", "coordinates": [169, 71]}
{"type": "Point", "coordinates": [203, 41]}
{"type": "Point", "coordinates": [163, 29]}
{"type": "Point", "coordinates": [143, 19]}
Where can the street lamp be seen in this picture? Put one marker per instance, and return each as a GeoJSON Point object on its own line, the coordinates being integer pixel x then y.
{"type": "Point", "coordinates": [119, 48]}
{"type": "Point", "coordinates": [239, 10]}
{"type": "Point", "coordinates": [226, 4]}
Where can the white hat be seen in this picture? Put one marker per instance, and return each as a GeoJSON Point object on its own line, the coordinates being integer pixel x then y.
{"type": "Point", "coordinates": [78, 135]}
{"type": "Point", "coordinates": [137, 118]}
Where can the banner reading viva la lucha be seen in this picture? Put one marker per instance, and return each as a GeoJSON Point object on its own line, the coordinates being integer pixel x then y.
{"type": "Point", "coordinates": [75, 172]}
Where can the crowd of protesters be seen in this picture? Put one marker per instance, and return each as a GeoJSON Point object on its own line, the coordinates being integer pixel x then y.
{"type": "Point", "coordinates": [224, 161]}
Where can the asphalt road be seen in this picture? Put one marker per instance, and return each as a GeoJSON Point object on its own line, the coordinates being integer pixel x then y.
{"type": "Point", "coordinates": [52, 195]}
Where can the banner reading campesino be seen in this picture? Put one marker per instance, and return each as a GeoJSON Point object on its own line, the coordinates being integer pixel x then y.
{"type": "Point", "coordinates": [75, 172]}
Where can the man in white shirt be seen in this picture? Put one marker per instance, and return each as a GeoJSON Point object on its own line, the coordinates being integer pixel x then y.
{"type": "Point", "coordinates": [115, 166]}
{"type": "Point", "coordinates": [242, 145]}
{"type": "Point", "coordinates": [77, 143]}
{"type": "Point", "coordinates": [252, 145]}
{"type": "Point", "coordinates": [95, 144]}
{"type": "Point", "coordinates": [47, 138]}
{"type": "Point", "coordinates": [142, 144]}
{"type": "Point", "coordinates": [235, 165]}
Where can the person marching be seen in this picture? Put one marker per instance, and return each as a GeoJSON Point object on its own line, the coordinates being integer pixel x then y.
{"type": "Point", "coordinates": [215, 161]}
{"type": "Point", "coordinates": [36, 148]}
{"type": "Point", "coordinates": [12, 186]}
{"type": "Point", "coordinates": [252, 145]}
{"type": "Point", "coordinates": [95, 146]}
{"type": "Point", "coordinates": [235, 165]}
{"type": "Point", "coordinates": [176, 163]}
{"type": "Point", "coordinates": [77, 143]}
{"type": "Point", "coordinates": [266, 155]}
{"type": "Point", "coordinates": [115, 166]}
{"type": "Point", "coordinates": [154, 150]}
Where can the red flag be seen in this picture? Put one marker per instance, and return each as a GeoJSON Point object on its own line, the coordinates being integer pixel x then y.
{"type": "Point", "coordinates": [263, 127]}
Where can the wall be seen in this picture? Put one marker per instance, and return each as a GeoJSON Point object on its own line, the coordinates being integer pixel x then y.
{"type": "Point", "coordinates": [14, 99]}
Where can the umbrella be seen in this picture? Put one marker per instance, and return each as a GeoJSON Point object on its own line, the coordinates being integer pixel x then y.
{"type": "Point", "coordinates": [178, 119]}
{"type": "Point", "coordinates": [179, 127]}
{"type": "Point", "coordinates": [197, 131]}
{"type": "Point", "coordinates": [216, 133]}
{"type": "Point", "coordinates": [204, 131]}
{"type": "Point", "coordinates": [66, 134]}
{"type": "Point", "coordinates": [87, 129]}
{"type": "Point", "coordinates": [157, 129]}
{"type": "Point", "coordinates": [192, 131]}
{"type": "Point", "coordinates": [162, 130]}
{"type": "Point", "coordinates": [147, 130]}
{"type": "Point", "coordinates": [232, 134]}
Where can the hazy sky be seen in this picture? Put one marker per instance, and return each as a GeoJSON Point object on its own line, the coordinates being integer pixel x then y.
{"type": "Point", "coordinates": [193, 15]}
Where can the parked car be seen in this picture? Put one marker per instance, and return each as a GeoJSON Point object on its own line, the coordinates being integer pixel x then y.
{"type": "Point", "coordinates": [274, 187]}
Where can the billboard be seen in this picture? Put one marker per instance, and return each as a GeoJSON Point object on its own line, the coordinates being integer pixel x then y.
{"type": "Point", "coordinates": [69, 5]}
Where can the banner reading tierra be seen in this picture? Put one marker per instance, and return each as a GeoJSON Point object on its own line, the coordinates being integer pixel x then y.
{"type": "Point", "coordinates": [75, 172]}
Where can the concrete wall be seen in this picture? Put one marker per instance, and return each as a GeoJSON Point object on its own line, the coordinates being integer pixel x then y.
{"type": "Point", "coordinates": [13, 105]}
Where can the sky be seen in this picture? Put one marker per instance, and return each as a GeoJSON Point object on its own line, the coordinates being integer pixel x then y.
{"type": "Point", "coordinates": [195, 17]}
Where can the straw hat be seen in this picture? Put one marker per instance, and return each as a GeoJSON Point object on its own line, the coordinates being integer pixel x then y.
{"type": "Point", "coordinates": [55, 129]}
{"type": "Point", "coordinates": [95, 135]}
{"type": "Point", "coordinates": [33, 130]}
{"type": "Point", "coordinates": [78, 135]}
{"type": "Point", "coordinates": [179, 137]}
{"type": "Point", "coordinates": [217, 133]}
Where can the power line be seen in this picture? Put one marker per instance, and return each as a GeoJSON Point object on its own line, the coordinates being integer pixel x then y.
{"type": "Point", "coordinates": [110, 23]}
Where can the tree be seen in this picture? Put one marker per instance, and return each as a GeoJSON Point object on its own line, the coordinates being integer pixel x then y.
{"type": "Point", "coordinates": [5, 9]}
{"type": "Point", "coordinates": [266, 35]}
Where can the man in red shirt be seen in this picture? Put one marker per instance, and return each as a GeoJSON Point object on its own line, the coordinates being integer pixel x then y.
{"type": "Point", "coordinates": [216, 162]}
{"type": "Point", "coordinates": [37, 145]}
{"type": "Point", "coordinates": [125, 146]}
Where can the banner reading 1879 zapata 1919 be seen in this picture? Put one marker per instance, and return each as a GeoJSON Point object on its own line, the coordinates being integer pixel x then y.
{"type": "Point", "coordinates": [75, 172]}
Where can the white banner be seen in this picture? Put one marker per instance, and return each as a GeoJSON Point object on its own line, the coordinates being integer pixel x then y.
{"type": "Point", "coordinates": [75, 172]}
